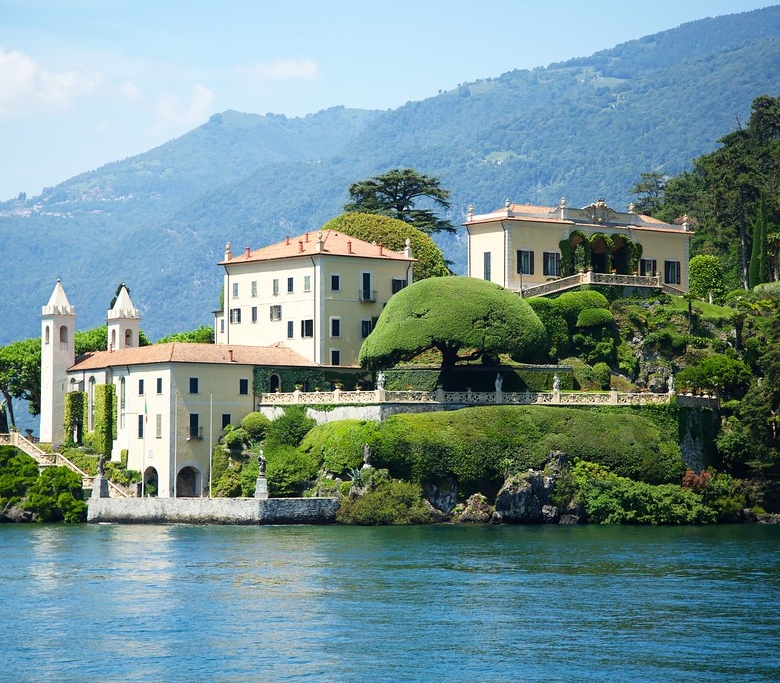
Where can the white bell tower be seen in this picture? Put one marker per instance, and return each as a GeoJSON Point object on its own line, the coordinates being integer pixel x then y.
{"type": "Point", "coordinates": [124, 322]}
{"type": "Point", "coordinates": [58, 329]}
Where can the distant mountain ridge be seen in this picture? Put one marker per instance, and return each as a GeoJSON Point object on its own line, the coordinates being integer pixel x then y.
{"type": "Point", "coordinates": [584, 128]}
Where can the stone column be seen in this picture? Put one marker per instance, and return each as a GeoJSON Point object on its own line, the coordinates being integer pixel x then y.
{"type": "Point", "coordinates": [100, 486]}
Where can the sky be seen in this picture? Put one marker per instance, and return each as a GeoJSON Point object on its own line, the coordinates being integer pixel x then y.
{"type": "Point", "coordinates": [87, 82]}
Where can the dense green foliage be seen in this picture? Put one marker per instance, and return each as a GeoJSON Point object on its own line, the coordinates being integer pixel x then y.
{"type": "Point", "coordinates": [204, 334]}
{"type": "Point", "coordinates": [385, 501]}
{"type": "Point", "coordinates": [580, 129]}
{"type": "Point", "coordinates": [340, 445]}
{"type": "Point", "coordinates": [53, 495]}
{"type": "Point", "coordinates": [396, 193]}
{"type": "Point", "coordinates": [393, 233]}
{"type": "Point", "coordinates": [705, 278]}
{"type": "Point", "coordinates": [463, 318]}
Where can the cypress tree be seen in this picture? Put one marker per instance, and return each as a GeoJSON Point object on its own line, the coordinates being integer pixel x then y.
{"type": "Point", "coordinates": [758, 271]}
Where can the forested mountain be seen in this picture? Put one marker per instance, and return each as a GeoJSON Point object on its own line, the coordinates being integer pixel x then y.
{"type": "Point", "coordinates": [584, 129]}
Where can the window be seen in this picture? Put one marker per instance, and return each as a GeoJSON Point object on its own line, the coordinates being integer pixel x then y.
{"type": "Point", "coordinates": [365, 328]}
{"type": "Point", "coordinates": [158, 426]}
{"type": "Point", "coordinates": [243, 387]}
{"type": "Point", "coordinates": [290, 286]}
{"type": "Point", "coordinates": [335, 283]}
{"type": "Point", "coordinates": [235, 290]}
{"type": "Point", "coordinates": [307, 328]}
{"type": "Point", "coordinates": [194, 426]}
{"type": "Point", "coordinates": [525, 262]}
{"type": "Point", "coordinates": [225, 420]}
{"type": "Point", "coordinates": [672, 272]}
{"type": "Point", "coordinates": [290, 329]}
{"type": "Point", "coordinates": [398, 285]}
{"type": "Point", "coordinates": [159, 385]}
{"type": "Point", "coordinates": [486, 265]}
{"type": "Point", "coordinates": [254, 314]}
{"type": "Point", "coordinates": [235, 315]}
{"type": "Point", "coordinates": [552, 263]}
{"type": "Point", "coordinates": [648, 266]}
{"type": "Point", "coordinates": [276, 312]}
{"type": "Point", "coordinates": [141, 426]}
{"type": "Point", "coordinates": [335, 327]}
{"type": "Point", "coordinates": [335, 357]}
{"type": "Point", "coordinates": [307, 283]}
{"type": "Point", "coordinates": [254, 287]}
{"type": "Point", "coordinates": [276, 286]}
{"type": "Point", "coordinates": [366, 293]}
{"type": "Point", "coordinates": [140, 387]}
{"type": "Point", "coordinates": [222, 326]}
{"type": "Point", "coordinates": [193, 385]}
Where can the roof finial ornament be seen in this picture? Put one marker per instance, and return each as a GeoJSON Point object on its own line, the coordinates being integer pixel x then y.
{"type": "Point", "coordinates": [563, 202]}
{"type": "Point", "coordinates": [470, 213]}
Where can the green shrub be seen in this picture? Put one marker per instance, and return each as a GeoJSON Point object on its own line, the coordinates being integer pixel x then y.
{"type": "Point", "coordinates": [289, 428]}
{"type": "Point", "coordinates": [602, 374]}
{"type": "Point", "coordinates": [340, 445]}
{"type": "Point", "coordinates": [628, 363]}
{"type": "Point", "coordinates": [235, 439]}
{"type": "Point", "coordinates": [57, 495]}
{"type": "Point", "coordinates": [595, 317]}
{"type": "Point", "coordinates": [571, 304]}
{"type": "Point", "coordinates": [289, 471]}
{"type": "Point", "coordinates": [255, 425]}
{"type": "Point", "coordinates": [609, 499]}
{"type": "Point", "coordinates": [554, 324]}
{"type": "Point", "coordinates": [392, 502]}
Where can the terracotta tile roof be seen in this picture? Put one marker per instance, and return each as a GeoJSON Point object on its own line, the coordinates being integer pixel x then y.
{"type": "Point", "coordinates": [179, 352]}
{"type": "Point", "coordinates": [334, 243]}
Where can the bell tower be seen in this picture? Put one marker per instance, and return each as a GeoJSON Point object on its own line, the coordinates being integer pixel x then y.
{"type": "Point", "coordinates": [124, 322]}
{"type": "Point", "coordinates": [58, 329]}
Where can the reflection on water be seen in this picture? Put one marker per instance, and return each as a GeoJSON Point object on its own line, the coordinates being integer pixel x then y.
{"type": "Point", "coordinates": [181, 603]}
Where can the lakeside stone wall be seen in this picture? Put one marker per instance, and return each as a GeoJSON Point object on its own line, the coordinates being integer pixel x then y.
{"type": "Point", "coordinates": [212, 510]}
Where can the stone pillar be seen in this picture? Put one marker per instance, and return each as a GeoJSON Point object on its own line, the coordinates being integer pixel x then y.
{"type": "Point", "coordinates": [613, 397]}
{"type": "Point", "coordinates": [261, 487]}
{"type": "Point", "coordinates": [100, 487]}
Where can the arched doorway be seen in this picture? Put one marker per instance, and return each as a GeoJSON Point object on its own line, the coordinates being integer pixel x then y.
{"type": "Point", "coordinates": [186, 483]}
{"type": "Point", "coordinates": [151, 482]}
{"type": "Point", "coordinates": [275, 383]}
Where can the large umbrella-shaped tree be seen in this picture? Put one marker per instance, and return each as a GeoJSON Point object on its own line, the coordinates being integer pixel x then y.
{"type": "Point", "coordinates": [464, 318]}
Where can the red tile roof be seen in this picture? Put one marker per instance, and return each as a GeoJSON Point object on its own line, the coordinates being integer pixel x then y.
{"type": "Point", "coordinates": [334, 243]}
{"type": "Point", "coordinates": [179, 352]}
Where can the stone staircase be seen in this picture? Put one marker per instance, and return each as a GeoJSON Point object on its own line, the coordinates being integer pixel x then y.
{"type": "Point", "coordinates": [45, 460]}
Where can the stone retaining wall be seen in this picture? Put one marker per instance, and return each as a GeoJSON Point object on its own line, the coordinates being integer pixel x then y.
{"type": "Point", "coordinates": [212, 510]}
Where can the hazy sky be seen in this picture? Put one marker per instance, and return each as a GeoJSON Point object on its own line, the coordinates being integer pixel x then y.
{"type": "Point", "coordinates": [86, 82]}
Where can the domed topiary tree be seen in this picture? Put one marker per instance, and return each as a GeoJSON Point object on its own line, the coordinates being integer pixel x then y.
{"type": "Point", "coordinates": [392, 234]}
{"type": "Point", "coordinates": [464, 318]}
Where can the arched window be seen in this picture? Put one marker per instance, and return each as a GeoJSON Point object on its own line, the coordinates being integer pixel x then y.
{"type": "Point", "coordinates": [64, 337]}
{"type": "Point", "coordinates": [128, 338]}
{"type": "Point", "coordinates": [112, 346]}
{"type": "Point", "coordinates": [46, 334]}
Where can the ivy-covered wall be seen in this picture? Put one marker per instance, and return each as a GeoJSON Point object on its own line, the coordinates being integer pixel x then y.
{"type": "Point", "coordinates": [105, 418]}
{"type": "Point", "coordinates": [75, 415]}
{"type": "Point", "coordinates": [309, 379]}
{"type": "Point", "coordinates": [481, 378]}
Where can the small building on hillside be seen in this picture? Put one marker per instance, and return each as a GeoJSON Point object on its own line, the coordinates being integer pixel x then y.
{"type": "Point", "coordinates": [319, 294]}
{"type": "Point", "coordinates": [521, 246]}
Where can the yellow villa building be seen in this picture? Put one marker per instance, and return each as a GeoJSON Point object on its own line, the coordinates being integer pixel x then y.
{"type": "Point", "coordinates": [522, 246]}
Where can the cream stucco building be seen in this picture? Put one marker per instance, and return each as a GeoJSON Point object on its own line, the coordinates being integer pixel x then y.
{"type": "Point", "coordinates": [319, 294]}
{"type": "Point", "coordinates": [520, 246]}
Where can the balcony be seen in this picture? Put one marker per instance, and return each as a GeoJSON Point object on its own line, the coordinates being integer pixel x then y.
{"type": "Point", "coordinates": [368, 296]}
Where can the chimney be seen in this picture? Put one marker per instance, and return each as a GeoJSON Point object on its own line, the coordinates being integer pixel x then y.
{"type": "Point", "coordinates": [320, 243]}
{"type": "Point", "coordinates": [287, 240]}
{"type": "Point", "coordinates": [230, 355]}
{"type": "Point", "coordinates": [306, 236]}
{"type": "Point", "coordinates": [246, 252]}
{"type": "Point", "coordinates": [300, 246]}
{"type": "Point", "coordinates": [349, 246]}
{"type": "Point", "coordinates": [111, 348]}
{"type": "Point", "coordinates": [381, 253]}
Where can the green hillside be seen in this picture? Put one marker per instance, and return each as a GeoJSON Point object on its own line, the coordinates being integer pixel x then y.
{"type": "Point", "coordinates": [584, 128]}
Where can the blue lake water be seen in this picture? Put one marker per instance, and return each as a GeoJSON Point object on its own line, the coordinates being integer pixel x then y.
{"type": "Point", "coordinates": [187, 603]}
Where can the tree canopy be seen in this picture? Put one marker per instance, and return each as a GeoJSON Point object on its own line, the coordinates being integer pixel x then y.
{"type": "Point", "coordinates": [396, 194]}
{"type": "Point", "coordinates": [393, 234]}
{"type": "Point", "coordinates": [463, 318]}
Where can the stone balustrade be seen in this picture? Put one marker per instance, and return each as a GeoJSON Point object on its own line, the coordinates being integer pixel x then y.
{"type": "Point", "coordinates": [468, 397]}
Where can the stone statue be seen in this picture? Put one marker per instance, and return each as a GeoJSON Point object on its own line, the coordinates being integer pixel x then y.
{"type": "Point", "coordinates": [499, 382]}
{"type": "Point", "coordinates": [261, 464]}
{"type": "Point", "coordinates": [366, 455]}
{"type": "Point", "coordinates": [670, 383]}
{"type": "Point", "coordinates": [380, 380]}
{"type": "Point", "coordinates": [101, 465]}
{"type": "Point", "coordinates": [556, 382]}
